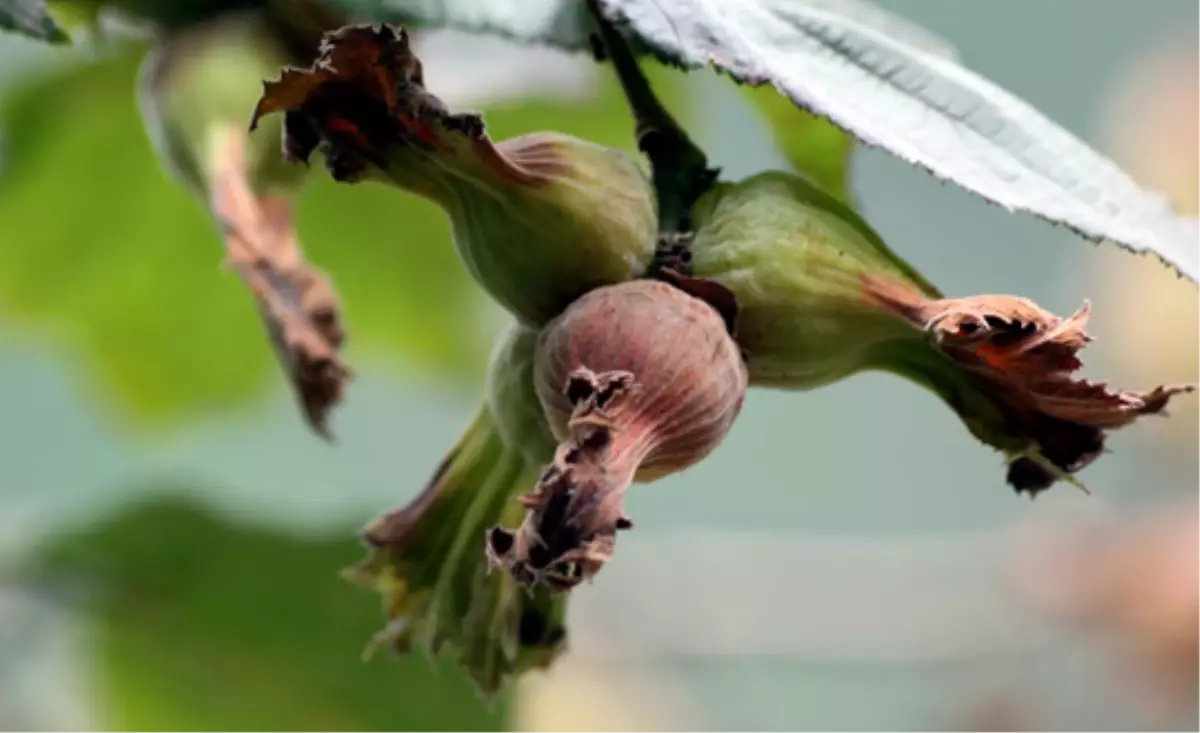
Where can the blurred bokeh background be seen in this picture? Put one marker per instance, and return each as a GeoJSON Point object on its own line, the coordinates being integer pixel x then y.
{"type": "Point", "coordinates": [850, 559]}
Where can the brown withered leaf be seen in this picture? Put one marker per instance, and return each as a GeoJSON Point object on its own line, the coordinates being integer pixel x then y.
{"type": "Point", "coordinates": [363, 100]}
{"type": "Point", "coordinates": [1027, 359]}
{"type": "Point", "coordinates": [297, 303]}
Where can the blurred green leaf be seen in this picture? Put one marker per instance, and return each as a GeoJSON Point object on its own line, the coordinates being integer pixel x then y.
{"type": "Point", "coordinates": [117, 263]}
{"type": "Point", "coordinates": [199, 623]}
{"type": "Point", "coordinates": [31, 18]}
{"type": "Point", "coordinates": [813, 146]}
{"type": "Point", "coordinates": [72, 15]}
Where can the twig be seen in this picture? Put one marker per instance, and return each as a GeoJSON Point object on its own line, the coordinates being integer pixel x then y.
{"type": "Point", "coordinates": [679, 169]}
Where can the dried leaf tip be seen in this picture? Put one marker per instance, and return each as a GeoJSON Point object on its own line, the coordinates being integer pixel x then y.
{"type": "Point", "coordinates": [1025, 359]}
{"type": "Point", "coordinates": [364, 99]}
{"type": "Point", "coordinates": [376, 59]}
{"type": "Point", "coordinates": [575, 510]}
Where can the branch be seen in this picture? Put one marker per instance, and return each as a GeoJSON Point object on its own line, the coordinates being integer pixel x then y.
{"type": "Point", "coordinates": [679, 169]}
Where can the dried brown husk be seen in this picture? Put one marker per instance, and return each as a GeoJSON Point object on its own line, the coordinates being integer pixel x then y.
{"type": "Point", "coordinates": [1025, 360]}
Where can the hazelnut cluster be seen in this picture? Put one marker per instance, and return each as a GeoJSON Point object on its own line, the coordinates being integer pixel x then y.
{"type": "Point", "coordinates": [632, 350]}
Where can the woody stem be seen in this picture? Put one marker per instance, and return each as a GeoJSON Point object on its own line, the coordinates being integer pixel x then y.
{"type": "Point", "coordinates": [679, 169]}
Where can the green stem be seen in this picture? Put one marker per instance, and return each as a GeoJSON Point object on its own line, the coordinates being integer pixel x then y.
{"type": "Point", "coordinates": [679, 169]}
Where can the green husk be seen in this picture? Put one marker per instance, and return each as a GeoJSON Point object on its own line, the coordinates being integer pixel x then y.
{"type": "Point", "coordinates": [512, 396]}
{"type": "Point", "coordinates": [428, 561]}
{"type": "Point", "coordinates": [822, 297]}
{"type": "Point", "coordinates": [794, 257]}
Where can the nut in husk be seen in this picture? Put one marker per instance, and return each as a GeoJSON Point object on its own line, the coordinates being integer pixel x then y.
{"type": "Point", "coordinates": [539, 219]}
{"type": "Point", "coordinates": [822, 298]}
{"type": "Point", "coordinates": [638, 381]}
{"type": "Point", "coordinates": [793, 256]}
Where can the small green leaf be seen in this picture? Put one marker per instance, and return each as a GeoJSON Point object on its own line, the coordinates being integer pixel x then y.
{"type": "Point", "coordinates": [199, 623]}
{"type": "Point", "coordinates": [76, 14]}
{"type": "Point", "coordinates": [896, 88]}
{"type": "Point", "coordinates": [31, 18]}
{"type": "Point", "coordinates": [813, 146]}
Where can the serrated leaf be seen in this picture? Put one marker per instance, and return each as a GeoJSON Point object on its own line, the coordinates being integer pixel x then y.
{"type": "Point", "coordinates": [199, 623]}
{"type": "Point", "coordinates": [900, 92]}
{"type": "Point", "coordinates": [31, 18]}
